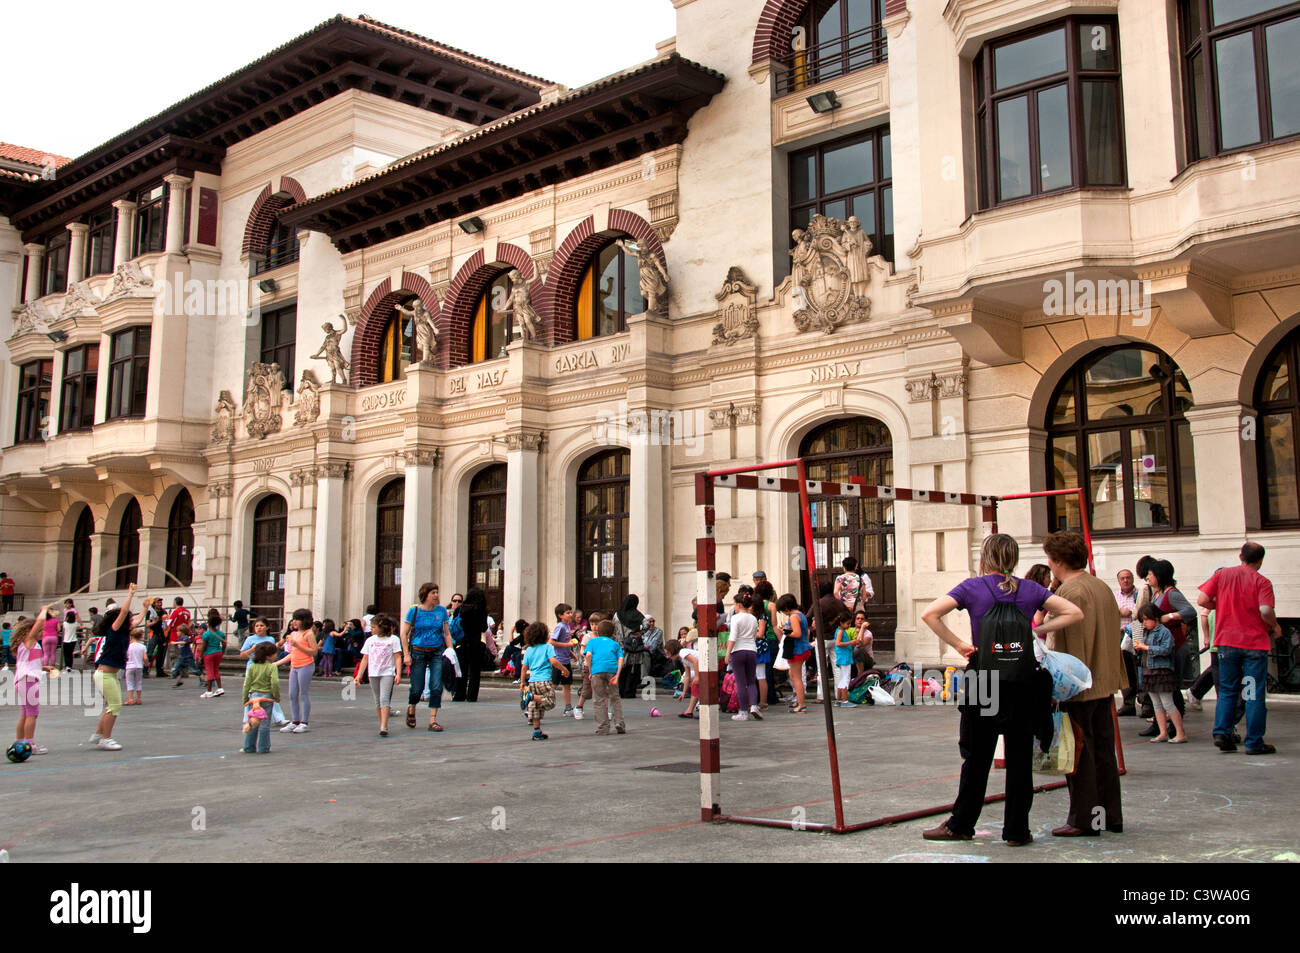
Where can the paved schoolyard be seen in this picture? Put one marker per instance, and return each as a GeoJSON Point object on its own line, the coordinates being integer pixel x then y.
{"type": "Point", "coordinates": [482, 790]}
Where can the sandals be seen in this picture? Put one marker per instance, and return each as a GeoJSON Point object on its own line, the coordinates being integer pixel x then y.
{"type": "Point", "coordinates": [434, 726]}
{"type": "Point", "coordinates": [802, 710]}
{"type": "Point", "coordinates": [410, 716]}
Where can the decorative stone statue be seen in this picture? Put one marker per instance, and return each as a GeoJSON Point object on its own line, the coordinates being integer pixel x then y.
{"type": "Point", "coordinates": [857, 246]}
{"type": "Point", "coordinates": [737, 309]}
{"type": "Point", "coordinates": [654, 277]}
{"type": "Point", "coordinates": [823, 291]}
{"type": "Point", "coordinates": [526, 317]}
{"type": "Point", "coordinates": [129, 279]}
{"type": "Point", "coordinates": [33, 317]}
{"type": "Point", "coordinates": [262, 402]}
{"type": "Point", "coordinates": [332, 351]}
{"type": "Point", "coordinates": [224, 428]}
{"type": "Point", "coordinates": [308, 407]}
{"type": "Point", "coordinates": [426, 331]}
{"type": "Point", "coordinates": [77, 300]}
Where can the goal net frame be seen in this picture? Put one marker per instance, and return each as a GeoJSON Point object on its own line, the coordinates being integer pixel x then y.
{"type": "Point", "coordinates": [755, 477]}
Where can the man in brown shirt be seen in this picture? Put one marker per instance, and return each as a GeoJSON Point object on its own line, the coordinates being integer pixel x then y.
{"type": "Point", "coordinates": [1094, 786]}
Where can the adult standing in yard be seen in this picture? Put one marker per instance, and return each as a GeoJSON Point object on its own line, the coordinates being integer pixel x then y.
{"type": "Point", "coordinates": [426, 636]}
{"type": "Point", "coordinates": [1126, 602]}
{"type": "Point", "coordinates": [1244, 621]}
{"type": "Point", "coordinates": [1016, 703]}
{"type": "Point", "coordinates": [1094, 640]}
{"type": "Point", "coordinates": [474, 623]}
{"type": "Point", "coordinates": [1179, 617]}
{"type": "Point", "coordinates": [157, 637]}
{"type": "Point", "coordinates": [6, 592]}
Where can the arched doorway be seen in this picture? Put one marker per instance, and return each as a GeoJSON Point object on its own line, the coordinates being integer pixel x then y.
{"type": "Point", "coordinates": [270, 534]}
{"type": "Point", "coordinates": [864, 529]}
{"type": "Point", "coordinates": [603, 522]}
{"type": "Point", "coordinates": [487, 537]}
{"type": "Point", "coordinates": [180, 541]}
{"type": "Point", "coordinates": [80, 576]}
{"type": "Point", "coordinates": [388, 547]}
{"type": "Point", "coordinates": [128, 546]}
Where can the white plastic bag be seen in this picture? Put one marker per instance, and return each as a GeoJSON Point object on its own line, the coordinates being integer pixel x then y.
{"type": "Point", "coordinates": [1069, 675]}
{"type": "Point", "coordinates": [880, 696]}
{"type": "Point", "coordinates": [455, 662]}
{"type": "Point", "coordinates": [781, 663]}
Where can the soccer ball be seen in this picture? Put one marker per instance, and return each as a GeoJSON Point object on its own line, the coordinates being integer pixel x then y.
{"type": "Point", "coordinates": [19, 751]}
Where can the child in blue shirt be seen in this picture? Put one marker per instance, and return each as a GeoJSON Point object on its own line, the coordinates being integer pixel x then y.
{"type": "Point", "coordinates": [1158, 672]}
{"type": "Point", "coordinates": [843, 661]}
{"type": "Point", "coordinates": [605, 661]}
{"type": "Point", "coordinates": [535, 683]}
{"type": "Point", "coordinates": [327, 648]}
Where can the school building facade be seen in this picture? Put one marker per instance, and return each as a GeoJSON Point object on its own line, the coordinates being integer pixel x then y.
{"type": "Point", "coordinates": [374, 310]}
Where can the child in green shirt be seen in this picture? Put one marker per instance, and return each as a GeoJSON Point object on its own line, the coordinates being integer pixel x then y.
{"type": "Point", "coordinates": [261, 681]}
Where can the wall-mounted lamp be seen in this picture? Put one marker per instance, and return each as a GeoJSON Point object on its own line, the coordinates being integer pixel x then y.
{"type": "Point", "coordinates": [58, 337]}
{"type": "Point", "coordinates": [824, 102]}
{"type": "Point", "coordinates": [268, 286]}
{"type": "Point", "coordinates": [471, 226]}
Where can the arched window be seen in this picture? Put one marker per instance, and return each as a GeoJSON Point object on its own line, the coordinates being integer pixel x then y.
{"type": "Point", "coordinates": [610, 290]}
{"type": "Point", "coordinates": [80, 577]}
{"type": "Point", "coordinates": [281, 248]}
{"type": "Point", "coordinates": [603, 522]}
{"type": "Point", "coordinates": [487, 535]}
{"type": "Point", "coordinates": [1117, 421]}
{"type": "Point", "coordinates": [1278, 405]}
{"type": "Point", "coordinates": [388, 547]}
{"type": "Point", "coordinates": [835, 37]}
{"type": "Point", "coordinates": [491, 329]}
{"type": "Point", "coordinates": [128, 546]}
{"type": "Point", "coordinates": [861, 528]}
{"type": "Point", "coordinates": [270, 536]}
{"type": "Point", "coordinates": [180, 541]}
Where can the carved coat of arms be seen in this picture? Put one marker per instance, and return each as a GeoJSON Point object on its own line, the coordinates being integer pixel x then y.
{"type": "Point", "coordinates": [828, 290]}
{"type": "Point", "coordinates": [737, 312]}
{"type": "Point", "coordinates": [262, 402]}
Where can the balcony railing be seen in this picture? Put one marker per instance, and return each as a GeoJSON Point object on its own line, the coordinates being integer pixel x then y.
{"type": "Point", "coordinates": [832, 59]}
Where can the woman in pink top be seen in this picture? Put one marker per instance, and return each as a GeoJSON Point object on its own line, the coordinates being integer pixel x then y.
{"type": "Point", "coordinates": [301, 643]}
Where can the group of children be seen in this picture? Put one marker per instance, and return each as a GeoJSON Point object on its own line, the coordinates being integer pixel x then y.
{"type": "Point", "coordinates": [560, 655]}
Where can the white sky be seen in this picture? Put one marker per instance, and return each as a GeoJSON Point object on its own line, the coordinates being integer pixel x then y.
{"type": "Point", "coordinates": [77, 73]}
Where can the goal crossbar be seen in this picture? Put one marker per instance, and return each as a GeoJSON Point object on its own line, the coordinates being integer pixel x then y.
{"type": "Point", "coordinates": [755, 477]}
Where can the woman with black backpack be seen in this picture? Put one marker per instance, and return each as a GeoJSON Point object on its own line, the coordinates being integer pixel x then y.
{"type": "Point", "coordinates": [627, 625]}
{"type": "Point", "coordinates": [1002, 675]}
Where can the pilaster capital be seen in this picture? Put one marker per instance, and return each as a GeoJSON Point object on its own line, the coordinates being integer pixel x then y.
{"type": "Point", "coordinates": [78, 229]}
{"type": "Point", "coordinates": [124, 205]}
{"type": "Point", "coordinates": [33, 250]}
{"type": "Point", "coordinates": [177, 181]}
{"type": "Point", "coordinates": [531, 440]}
{"type": "Point", "coordinates": [422, 458]}
{"type": "Point", "coordinates": [336, 471]}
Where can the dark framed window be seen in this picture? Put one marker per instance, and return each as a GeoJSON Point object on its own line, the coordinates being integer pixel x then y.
{"type": "Point", "coordinates": [1049, 111]}
{"type": "Point", "coordinates": [180, 541]}
{"type": "Point", "coordinates": [389, 516]}
{"type": "Point", "coordinates": [603, 529]}
{"type": "Point", "coordinates": [34, 381]}
{"type": "Point", "coordinates": [56, 265]}
{"type": "Point", "coordinates": [128, 373]}
{"type": "Point", "coordinates": [101, 238]}
{"type": "Point", "coordinates": [487, 535]}
{"type": "Point", "coordinates": [610, 290]}
{"type": "Point", "coordinates": [128, 546]}
{"type": "Point", "coordinates": [281, 249]}
{"type": "Point", "coordinates": [847, 177]}
{"type": "Point", "coordinates": [861, 528]}
{"type": "Point", "coordinates": [77, 398]}
{"type": "Point", "coordinates": [1241, 75]}
{"type": "Point", "coordinates": [834, 37]}
{"type": "Point", "coordinates": [150, 220]}
{"type": "Point", "coordinates": [279, 341]}
{"type": "Point", "coordinates": [1278, 406]}
{"type": "Point", "coordinates": [490, 330]}
{"type": "Point", "coordinates": [79, 577]}
{"type": "Point", "coordinates": [1116, 422]}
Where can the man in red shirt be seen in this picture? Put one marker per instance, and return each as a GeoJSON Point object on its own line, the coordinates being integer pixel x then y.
{"type": "Point", "coordinates": [1244, 623]}
{"type": "Point", "coordinates": [6, 593]}
{"type": "Point", "coordinates": [180, 654]}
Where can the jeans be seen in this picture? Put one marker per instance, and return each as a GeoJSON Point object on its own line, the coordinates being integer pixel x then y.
{"type": "Point", "coordinates": [184, 660]}
{"type": "Point", "coordinates": [426, 661]}
{"type": "Point", "coordinates": [260, 732]}
{"type": "Point", "coordinates": [1242, 673]}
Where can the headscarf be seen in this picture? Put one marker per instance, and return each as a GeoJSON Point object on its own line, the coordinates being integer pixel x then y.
{"type": "Point", "coordinates": [628, 614]}
{"type": "Point", "coordinates": [473, 615]}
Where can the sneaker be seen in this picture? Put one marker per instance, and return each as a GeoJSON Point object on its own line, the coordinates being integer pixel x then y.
{"type": "Point", "coordinates": [568, 709]}
{"type": "Point", "coordinates": [94, 739]}
{"type": "Point", "coordinates": [206, 695]}
{"type": "Point", "coordinates": [538, 736]}
{"type": "Point", "coordinates": [741, 716]}
{"type": "Point", "coordinates": [577, 714]}
{"type": "Point", "coordinates": [39, 749]}
{"type": "Point", "coordinates": [621, 729]}
{"type": "Point", "coordinates": [300, 729]}
{"type": "Point", "coordinates": [218, 692]}
{"type": "Point", "coordinates": [754, 713]}
{"type": "Point", "coordinates": [179, 685]}
{"type": "Point", "coordinates": [108, 744]}
{"type": "Point", "coordinates": [1193, 703]}
{"type": "Point", "coordinates": [288, 727]}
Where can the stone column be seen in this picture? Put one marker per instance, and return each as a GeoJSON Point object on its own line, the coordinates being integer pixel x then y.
{"type": "Point", "coordinates": [1223, 441]}
{"type": "Point", "coordinates": [35, 255]}
{"type": "Point", "coordinates": [122, 250]}
{"type": "Point", "coordinates": [178, 186]}
{"type": "Point", "coordinates": [327, 552]}
{"type": "Point", "coordinates": [523, 505]}
{"type": "Point", "coordinates": [645, 551]}
{"type": "Point", "coordinates": [417, 524]}
{"type": "Point", "coordinates": [153, 559]}
{"type": "Point", "coordinates": [76, 251]}
{"type": "Point", "coordinates": [103, 553]}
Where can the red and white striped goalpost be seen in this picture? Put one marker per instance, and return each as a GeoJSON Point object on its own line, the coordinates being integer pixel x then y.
{"type": "Point", "coordinates": [748, 478]}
